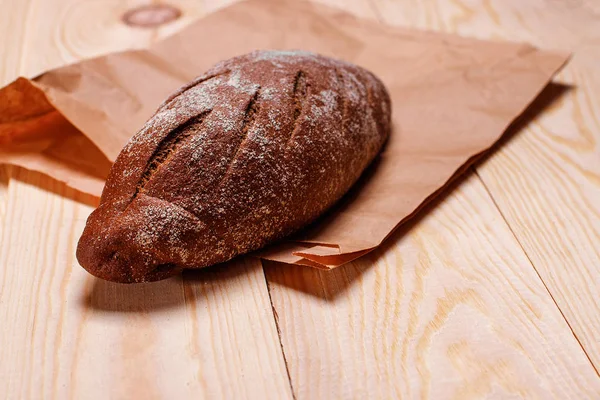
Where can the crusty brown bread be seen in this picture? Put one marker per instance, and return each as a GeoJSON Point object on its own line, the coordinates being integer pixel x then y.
{"type": "Point", "coordinates": [251, 151]}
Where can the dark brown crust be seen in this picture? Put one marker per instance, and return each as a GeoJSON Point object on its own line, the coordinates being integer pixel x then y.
{"type": "Point", "coordinates": [246, 154]}
{"type": "Point", "coordinates": [167, 147]}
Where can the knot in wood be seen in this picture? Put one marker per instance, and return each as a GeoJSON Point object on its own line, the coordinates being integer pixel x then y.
{"type": "Point", "coordinates": [152, 15]}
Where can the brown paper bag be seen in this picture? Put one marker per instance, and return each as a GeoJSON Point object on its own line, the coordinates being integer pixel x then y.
{"type": "Point", "coordinates": [452, 99]}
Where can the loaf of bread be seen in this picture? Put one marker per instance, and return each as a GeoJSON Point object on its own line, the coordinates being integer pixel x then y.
{"type": "Point", "coordinates": [251, 151]}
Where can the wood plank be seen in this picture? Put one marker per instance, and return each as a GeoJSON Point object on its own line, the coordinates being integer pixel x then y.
{"type": "Point", "coordinates": [546, 179]}
{"type": "Point", "coordinates": [12, 25]}
{"type": "Point", "coordinates": [4, 180]}
{"type": "Point", "coordinates": [45, 34]}
{"type": "Point", "coordinates": [479, 358]}
{"type": "Point", "coordinates": [74, 336]}
{"type": "Point", "coordinates": [565, 25]}
{"type": "Point", "coordinates": [233, 331]}
{"type": "Point", "coordinates": [450, 310]}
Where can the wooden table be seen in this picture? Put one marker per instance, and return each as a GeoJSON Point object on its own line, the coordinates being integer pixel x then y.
{"type": "Point", "coordinates": [493, 293]}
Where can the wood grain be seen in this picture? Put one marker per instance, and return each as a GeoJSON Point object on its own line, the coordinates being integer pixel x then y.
{"type": "Point", "coordinates": [212, 336]}
{"type": "Point", "coordinates": [453, 308]}
{"type": "Point", "coordinates": [47, 34]}
{"type": "Point", "coordinates": [547, 184]}
{"type": "Point", "coordinates": [72, 336]}
{"type": "Point", "coordinates": [546, 180]}
{"type": "Point", "coordinates": [4, 180]}
{"type": "Point", "coordinates": [231, 319]}
{"type": "Point", "coordinates": [450, 310]}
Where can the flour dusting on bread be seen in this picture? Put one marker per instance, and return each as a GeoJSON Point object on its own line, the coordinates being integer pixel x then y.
{"type": "Point", "coordinates": [248, 153]}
